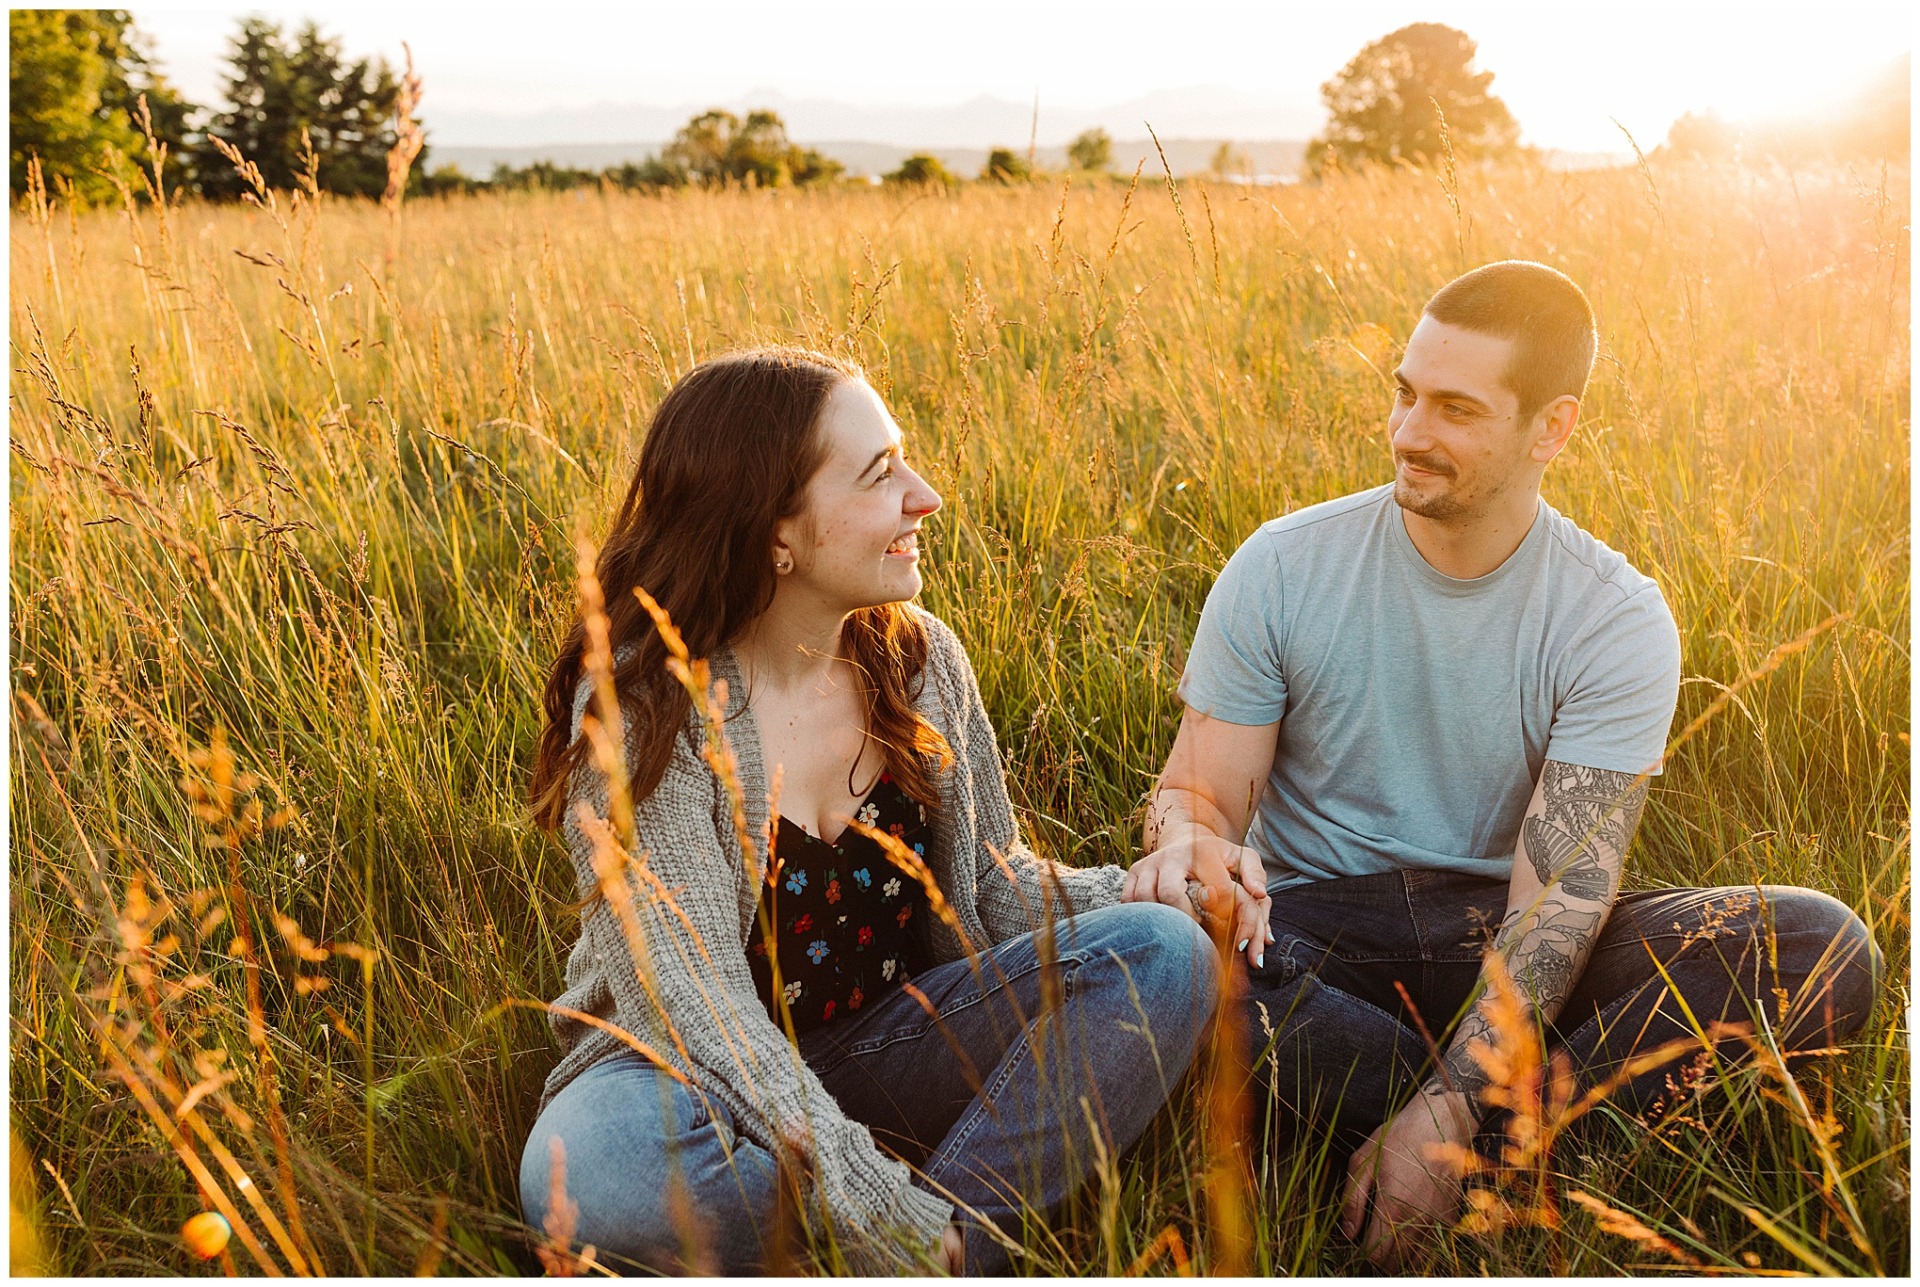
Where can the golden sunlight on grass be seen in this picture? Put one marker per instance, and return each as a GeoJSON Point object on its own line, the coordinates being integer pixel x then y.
{"type": "Point", "coordinates": [304, 491]}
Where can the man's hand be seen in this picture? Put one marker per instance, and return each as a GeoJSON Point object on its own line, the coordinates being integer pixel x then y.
{"type": "Point", "coordinates": [1211, 880]}
{"type": "Point", "coordinates": [1206, 795]}
{"type": "Point", "coordinates": [1404, 1166]}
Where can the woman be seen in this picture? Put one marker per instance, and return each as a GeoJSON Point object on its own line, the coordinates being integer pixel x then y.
{"type": "Point", "coordinates": [773, 515]}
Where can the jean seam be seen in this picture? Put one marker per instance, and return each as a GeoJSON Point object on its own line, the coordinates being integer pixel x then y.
{"type": "Point", "coordinates": [1450, 957]}
{"type": "Point", "coordinates": [1683, 936]}
{"type": "Point", "coordinates": [1002, 981]}
{"type": "Point", "coordinates": [694, 1098]}
{"type": "Point", "coordinates": [1288, 967]}
{"type": "Point", "coordinates": [1342, 992]}
{"type": "Point", "coordinates": [963, 1130]}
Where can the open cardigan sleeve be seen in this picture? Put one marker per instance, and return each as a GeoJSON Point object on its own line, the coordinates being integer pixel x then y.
{"type": "Point", "coordinates": [668, 943]}
{"type": "Point", "coordinates": [1018, 890]}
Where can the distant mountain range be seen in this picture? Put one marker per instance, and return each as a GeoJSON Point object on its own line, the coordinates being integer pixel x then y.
{"type": "Point", "coordinates": [1269, 160]}
{"type": "Point", "coordinates": [872, 140]}
{"type": "Point", "coordinates": [980, 122]}
{"type": "Point", "coordinates": [1266, 160]}
{"type": "Point", "coordinates": [1271, 131]}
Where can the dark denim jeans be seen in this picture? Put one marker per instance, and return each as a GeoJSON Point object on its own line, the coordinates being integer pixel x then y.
{"type": "Point", "coordinates": [991, 1100]}
{"type": "Point", "coordinates": [1329, 1028]}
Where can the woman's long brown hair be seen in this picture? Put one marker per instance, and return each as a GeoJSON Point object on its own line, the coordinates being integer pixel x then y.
{"type": "Point", "coordinates": [727, 456]}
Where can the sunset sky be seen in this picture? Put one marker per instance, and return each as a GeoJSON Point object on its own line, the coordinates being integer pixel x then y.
{"type": "Point", "coordinates": [1566, 71]}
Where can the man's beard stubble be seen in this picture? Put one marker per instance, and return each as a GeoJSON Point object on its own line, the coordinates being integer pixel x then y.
{"type": "Point", "coordinates": [1443, 506]}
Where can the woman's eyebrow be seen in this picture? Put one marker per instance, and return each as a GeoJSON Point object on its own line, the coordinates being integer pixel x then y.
{"type": "Point", "coordinates": [878, 456]}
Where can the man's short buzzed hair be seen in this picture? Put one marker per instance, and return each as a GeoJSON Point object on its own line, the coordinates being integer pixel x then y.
{"type": "Point", "coordinates": [1540, 309]}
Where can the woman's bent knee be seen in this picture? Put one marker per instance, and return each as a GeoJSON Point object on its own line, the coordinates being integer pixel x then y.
{"type": "Point", "coordinates": [628, 1161]}
{"type": "Point", "coordinates": [1171, 966]}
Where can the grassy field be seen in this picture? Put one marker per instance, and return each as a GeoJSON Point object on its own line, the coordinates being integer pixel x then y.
{"type": "Point", "coordinates": [294, 501]}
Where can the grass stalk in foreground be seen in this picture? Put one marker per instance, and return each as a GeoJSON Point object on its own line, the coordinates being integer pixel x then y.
{"type": "Point", "coordinates": [335, 524]}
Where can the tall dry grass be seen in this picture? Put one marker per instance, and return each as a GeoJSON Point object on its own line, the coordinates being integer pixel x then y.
{"type": "Point", "coordinates": [295, 502]}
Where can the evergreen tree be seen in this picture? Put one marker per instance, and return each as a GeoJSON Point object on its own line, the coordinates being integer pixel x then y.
{"type": "Point", "coordinates": [280, 91]}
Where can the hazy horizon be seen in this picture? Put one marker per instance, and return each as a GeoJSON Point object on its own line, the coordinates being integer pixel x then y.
{"type": "Point", "coordinates": [967, 76]}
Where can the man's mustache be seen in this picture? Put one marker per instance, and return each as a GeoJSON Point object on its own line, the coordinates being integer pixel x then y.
{"type": "Point", "coordinates": [1433, 464]}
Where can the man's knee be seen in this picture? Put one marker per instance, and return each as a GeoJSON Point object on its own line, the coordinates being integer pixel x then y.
{"type": "Point", "coordinates": [1828, 961]}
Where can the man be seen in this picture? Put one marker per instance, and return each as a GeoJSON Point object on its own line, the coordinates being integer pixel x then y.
{"type": "Point", "coordinates": [1436, 704]}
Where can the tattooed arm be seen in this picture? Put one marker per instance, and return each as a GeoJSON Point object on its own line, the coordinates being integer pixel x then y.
{"type": "Point", "coordinates": [1566, 871]}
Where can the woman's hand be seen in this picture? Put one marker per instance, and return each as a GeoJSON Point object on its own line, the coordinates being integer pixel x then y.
{"type": "Point", "coordinates": [1218, 883]}
{"type": "Point", "coordinates": [953, 1250]}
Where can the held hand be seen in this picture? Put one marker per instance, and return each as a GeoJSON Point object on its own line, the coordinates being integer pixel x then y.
{"type": "Point", "coordinates": [1211, 880]}
{"type": "Point", "coordinates": [1414, 1184]}
{"type": "Point", "coordinates": [953, 1250]}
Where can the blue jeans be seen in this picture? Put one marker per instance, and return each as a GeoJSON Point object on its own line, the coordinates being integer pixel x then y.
{"type": "Point", "coordinates": [983, 1098]}
{"type": "Point", "coordinates": [1328, 1027]}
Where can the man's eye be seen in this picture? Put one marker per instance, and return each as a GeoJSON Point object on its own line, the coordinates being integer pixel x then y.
{"type": "Point", "coordinates": [1403, 394]}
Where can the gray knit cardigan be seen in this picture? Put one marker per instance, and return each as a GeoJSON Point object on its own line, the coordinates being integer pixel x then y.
{"type": "Point", "coordinates": [691, 998]}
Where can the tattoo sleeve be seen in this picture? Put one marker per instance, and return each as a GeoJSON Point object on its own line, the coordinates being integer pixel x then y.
{"type": "Point", "coordinates": [1583, 829]}
{"type": "Point", "coordinates": [1575, 841]}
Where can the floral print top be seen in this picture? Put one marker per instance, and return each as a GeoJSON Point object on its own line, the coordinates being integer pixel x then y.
{"type": "Point", "coordinates": [847, 922]}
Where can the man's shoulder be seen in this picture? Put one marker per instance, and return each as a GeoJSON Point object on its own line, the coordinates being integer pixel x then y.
{"type": "Point", "coordinates": [1594, 573]}
{"type": "Point", "coordinates": [1606, 592]}
{"type": "Point", "coordinates": [1329, 520]}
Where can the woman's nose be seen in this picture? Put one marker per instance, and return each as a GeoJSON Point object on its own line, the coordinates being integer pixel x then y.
{"type": "Point", "coordinates": [920, 498]}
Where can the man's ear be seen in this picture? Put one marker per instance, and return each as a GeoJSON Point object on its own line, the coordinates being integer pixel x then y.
{"type": "Point", "coordinates": [1553, 425]}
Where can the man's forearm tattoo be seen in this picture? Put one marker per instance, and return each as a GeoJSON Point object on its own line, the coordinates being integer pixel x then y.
{"type": "Point", "coordinates": [1553, 947]}
{"type": "Point", "coordinates": [1575, 846]}
{"type": "Point", "coordinates": [1459, 1070]}
{"type": "Point", "coordinates": [1589, 817]}
{"type": "Point", "coordinates": [1543, 954]}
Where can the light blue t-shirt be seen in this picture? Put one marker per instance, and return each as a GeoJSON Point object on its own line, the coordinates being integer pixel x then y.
{"type": "Point", "coordinates": [1416, 709]}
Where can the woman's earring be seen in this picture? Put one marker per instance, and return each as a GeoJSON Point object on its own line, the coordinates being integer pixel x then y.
{"type": "Point", "coordinates": [784, 565]}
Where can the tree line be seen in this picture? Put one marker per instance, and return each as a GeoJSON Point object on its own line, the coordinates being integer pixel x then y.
{"type": "Point", "coordinates": [89, 103]}
{"type": "Point", "coordinates": [91, 110]}
{"type": "Point", "coordinates": [93, 118]}
{"type": "Point", "coordinates": [719, 147]}
{"type": "Point", "coordinates": [715, 148]}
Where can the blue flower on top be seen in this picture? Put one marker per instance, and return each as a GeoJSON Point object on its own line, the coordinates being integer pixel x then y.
{"type": "Point", "coordinates": [863, 878]}
{"type": "Point", "coordinates": [817, 950]}
{"type": "Point", "coordinates": [796, 882]}
{"type": "Point", "coordinates": [920, 850]}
